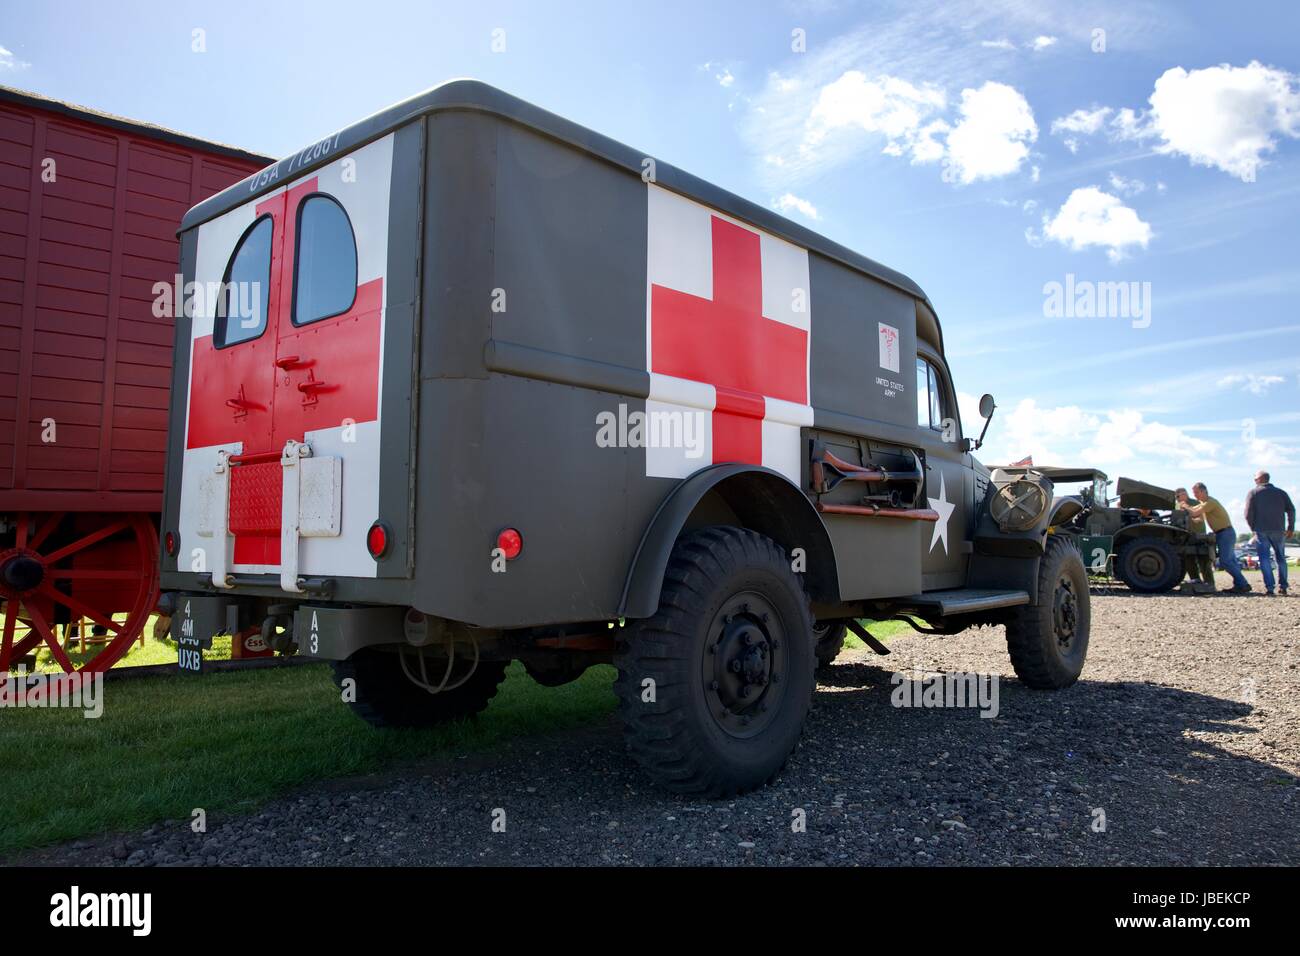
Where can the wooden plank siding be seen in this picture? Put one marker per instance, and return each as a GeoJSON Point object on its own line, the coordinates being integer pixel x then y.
{"type": "Point", "coordinates": [79, 343]}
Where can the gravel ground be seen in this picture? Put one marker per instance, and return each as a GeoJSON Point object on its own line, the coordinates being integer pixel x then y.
{"type": "Point", "coordinates": [1183, 735]}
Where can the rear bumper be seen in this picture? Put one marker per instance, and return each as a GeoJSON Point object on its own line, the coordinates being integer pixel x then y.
{"type": "Point", "coordinates": [321, 631]}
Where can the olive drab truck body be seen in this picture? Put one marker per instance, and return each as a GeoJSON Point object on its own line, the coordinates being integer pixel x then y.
{"type": "Point", "coordinates": [510, 382]}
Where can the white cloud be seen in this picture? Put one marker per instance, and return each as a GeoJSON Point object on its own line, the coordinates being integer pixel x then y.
{"type": "Point", "coordinates": [894, 108]}
{"type": "Point", "coordinates": [1126, 187]}
{"type": "Point", "coordinates": [1086, 122]}
{"type": "Point", "coordinates": [1262, 453]}
{"type": "Point", "coordinates": [1250, 382]}
{"type": "Point", "coordinates": [1091, 217]}
{"type": "Point", "coordinates": [1001, 44]}
{"type": "Point", "coordinates": [1042, 43]}
{"type": "Point", "coordinates": [791, 203]}
{"type": "Point", "coordinates": [992, 137]}
{"type": "Point", "coordinates": [9, 62]}
{"type": "Point", "coordinates": [1048, 434]}
{"type": "Point", "coordinates": [1125, 433]}
{"type": "Point", "coordinates": [1080, 123]}
{"type": "Point", "coordinates": [725, 78]}
{"type": "Point", "coordinates": [1225, 117]}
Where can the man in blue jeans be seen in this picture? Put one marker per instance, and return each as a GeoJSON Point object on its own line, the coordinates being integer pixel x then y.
{"type": "Point", "coordinates": [1271, 515]}
{"type": "Point", "coordinates": [1225, 536]}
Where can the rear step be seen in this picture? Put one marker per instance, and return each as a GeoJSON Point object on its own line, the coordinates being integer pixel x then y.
{"type": "Point", "coordinates": [965, 600]}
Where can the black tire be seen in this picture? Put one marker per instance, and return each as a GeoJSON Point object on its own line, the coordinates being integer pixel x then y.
{"type": "Point", "coordinates": [714, 729]}
{"type": "Point", "coordinates": [386, 698]}
{"type": "Point", "coordinates": [1048, 641]}
{"type": "Point", "coordinates": [830, 641]}
{"type": "Point", "coordinates": [1149, 565]}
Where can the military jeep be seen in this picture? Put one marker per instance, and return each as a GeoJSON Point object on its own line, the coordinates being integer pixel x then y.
{"type": "Point", "coordinates": [517, 392]}
{"type": "Point", "coordinates": [1143, 539]}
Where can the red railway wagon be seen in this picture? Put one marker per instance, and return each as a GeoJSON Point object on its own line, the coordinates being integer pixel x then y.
{"type": "Point", "coordinates": [89, 208]}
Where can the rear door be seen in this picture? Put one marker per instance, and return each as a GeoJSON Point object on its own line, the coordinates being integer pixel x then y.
{"type": "Point", "coordinates": [282, 447]}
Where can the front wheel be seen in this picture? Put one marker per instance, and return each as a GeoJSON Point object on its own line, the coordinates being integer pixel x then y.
{"type": "Point", "coordinates": [1048, 640]}
{"type": "Point", "coordinates": [714, 688]}
{"type": "Point", "coordinates": [1149, 565]}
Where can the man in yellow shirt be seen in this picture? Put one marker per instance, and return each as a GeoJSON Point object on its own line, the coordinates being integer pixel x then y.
{"type": "Point", "coordinates": [1225, 536]}
{"type": "Point", "coordinates": [1200, 568]}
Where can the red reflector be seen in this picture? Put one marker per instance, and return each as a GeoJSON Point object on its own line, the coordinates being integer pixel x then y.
{"type": "Point", "coordinates": [511, 542]}
{"type": "Point", "coordinates": [377, 540]}
{"type": "Point", "coordinates": [169, 540]}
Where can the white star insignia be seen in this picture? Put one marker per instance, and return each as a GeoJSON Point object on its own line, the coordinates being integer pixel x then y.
{"type": "Point", "coordinates": [945, 509]}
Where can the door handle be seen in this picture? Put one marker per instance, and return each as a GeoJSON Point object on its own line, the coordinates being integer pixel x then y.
{"type": "Point", "coordinates": [241, 404]}
{"type": "Point", "coordinates": [287, 362]}
{"type": "Point", "coordinates": [311, 386]}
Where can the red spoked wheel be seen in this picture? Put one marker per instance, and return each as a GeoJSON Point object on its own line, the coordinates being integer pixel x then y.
{"type": "Point", "coordinates": [66, 568]}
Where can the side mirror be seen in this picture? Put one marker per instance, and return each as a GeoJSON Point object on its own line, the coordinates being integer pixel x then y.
{"type": "Point", "coordinates": [987, 408]}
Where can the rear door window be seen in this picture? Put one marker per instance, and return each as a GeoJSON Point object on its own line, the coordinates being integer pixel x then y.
{"type": "Point", "coordinates": [325, 266]}
{"type": "Point", "coordinates": [241, 312]}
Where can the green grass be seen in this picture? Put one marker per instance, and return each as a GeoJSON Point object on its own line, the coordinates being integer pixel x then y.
{"type": "Point", "coordinates": [229, 741]}
{"type": "Point", "coordinates": [880, 630]}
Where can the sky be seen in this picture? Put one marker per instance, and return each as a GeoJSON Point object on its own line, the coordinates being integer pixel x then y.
{"type": "Point", "coordinates": [1019, 160]}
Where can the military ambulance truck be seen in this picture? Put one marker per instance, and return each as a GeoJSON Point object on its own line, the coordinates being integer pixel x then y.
{"type": "Point", "coordinates": [467, 383]}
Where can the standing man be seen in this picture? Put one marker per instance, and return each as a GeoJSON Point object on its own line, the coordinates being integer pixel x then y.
{"type": "Point", "coordinates": [1271, 515]}
{"type": "Point", "coordinates": [1225, 536]}
{"type": "Point", "coordinates": [1199, 567]}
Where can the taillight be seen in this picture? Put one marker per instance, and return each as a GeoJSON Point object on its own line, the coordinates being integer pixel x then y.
{"type": "Point", "coordinates": [377, 540]}
{"type": "Point", "coordinates": [169, 542]}
{"type": "Point", "coordinates": [511, 542]}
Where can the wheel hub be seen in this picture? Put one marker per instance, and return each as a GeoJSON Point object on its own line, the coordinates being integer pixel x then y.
{"type": "Point", "coordinates": [743, 665]}
{"type": "Point", "coordinates": [1149, 564]}
{"type": "Point", "coordinates": [22, 571]}
{"type": "Point", "coordinates": [1065, 610]}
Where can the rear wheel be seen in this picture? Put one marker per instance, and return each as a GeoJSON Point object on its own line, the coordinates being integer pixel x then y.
{"type": "Point", "coordinates": [714, 688]}
{"type": "Point", "coordinates": [1149, 565]}
{"type": "Point", "coordinates": [830, 641]}
{"type": "Point", "coordinates": [1048, 641]}
{"type": "Point", "coordinates": [383, 696]}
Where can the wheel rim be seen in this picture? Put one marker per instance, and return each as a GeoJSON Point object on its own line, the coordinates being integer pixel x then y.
{"type": "Point", "coordinates": [745, 665]}
{"type": "Point", "coordinates": [91, 569]}
{"type": "Point", "coordinates": [1065, 614]}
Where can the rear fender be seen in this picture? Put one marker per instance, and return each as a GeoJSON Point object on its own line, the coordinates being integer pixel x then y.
{"type": "Point", "coordinates": [762, 500]}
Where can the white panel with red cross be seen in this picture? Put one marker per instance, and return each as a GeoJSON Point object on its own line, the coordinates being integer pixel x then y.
{"type": "Point", "coordinates": [320, 382]}
{"type": "Point", "coordinates": [728, 327]}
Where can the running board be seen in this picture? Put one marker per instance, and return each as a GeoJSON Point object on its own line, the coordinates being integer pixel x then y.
{"type": "Point", "coordinates": [965, 600]}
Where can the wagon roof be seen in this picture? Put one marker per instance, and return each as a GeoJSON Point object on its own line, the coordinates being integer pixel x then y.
{"type": "Point", "coordinates": [474, 95]}
{"type": "Point", "coordinates": [152, 131]}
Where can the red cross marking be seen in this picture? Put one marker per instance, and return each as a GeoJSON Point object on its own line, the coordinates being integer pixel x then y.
{"type": "Point", "coordinates": [249, 392]}
{"type": "Point", "coordinates": [728, 343]}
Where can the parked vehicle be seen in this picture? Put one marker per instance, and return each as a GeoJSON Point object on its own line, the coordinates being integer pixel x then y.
{"type": "Point", "coordinates": [89, 207]}
{"type": "Point", "coordinates": [519, 392]}
{"type": "Point", "coordinates": [1145, 541]}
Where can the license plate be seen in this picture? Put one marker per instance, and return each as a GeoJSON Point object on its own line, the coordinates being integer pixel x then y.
{"type": "Point", "coordinates": [189, 656]}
